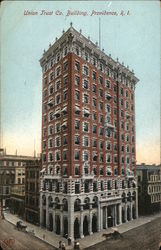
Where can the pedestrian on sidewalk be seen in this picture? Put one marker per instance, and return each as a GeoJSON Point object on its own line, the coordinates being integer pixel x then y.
{"type": "Point", "coordinates": [60, 245]}
{"type": "Point", "coordinates": [69, 241]}
{"type": "Point", "coordinates": [63, 246]}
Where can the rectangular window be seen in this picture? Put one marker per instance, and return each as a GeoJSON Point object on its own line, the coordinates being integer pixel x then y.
{"type": "Point", "coordinates": [85, 141]}
{"type": "Point", "coordinates": [107, 84]}
{"type": "Point", "coordinates": [101, 106]}
{"type": "Point", "coordinates": [101, 92]}
{"type": "Point", "coordinates": [85, 98]}
{"type": "Point", "coordinates": [65, 80]}
{"type": "Point", "coordinates": [76, 81]}
{"type": "Point", "coordinates": [76, 155]}
{"type": "Point", "coordinates": [85, 84]}
{"type": "Point", "coordinates": [76, 95]}
{"type": "Point", "coordinates": [101, 144]}
{"type": "Point", "coordinates": [101, 119]}
{"type": "Point", "coordinates": [100, 80]}
{"type": "Point", "coordinates": [76, 139]}
{"type": "Point", "coordinates": [57, 101]}
{"type": "Point", "coordinates": [86, 56]}
{"type": "Point", "coordinates": [65, 140]}
{"type": "Point", "coordinates": [65, 66]}
{"type": "Point", "coordinates": [108, 145]}
{"type": "Point", "coordinates": [94, 129]}
{"type": "Point", "coordinates": [85, 126]}
{"type": "Point", "coordinates": [94, 116]}
{"type": "Point", "coordinates": [65, 96]}
{"type": "Point", "coordinates": [77, 124]}
{"type": "Point", "coordinates": [94, 61]}
{"type": "Point", "coordinates": [94, 88]}
{"type": "Point", "coordinates": [85, 70]}
{"type": "Point", "coordinates": [58, 71]}
{"type": "Point", "coordinates": [101, 131]}
{"type": "Point", "coordinates": [51, 76]}
{"type": "Point", "coordinates": [57, 142]}
{"type": "Point", "coordinates": [94, 143]}
{"type": "Point", "coordinates": [94, 103]}
{"type": "Point", "coordinates": [94, 75]}
{"type": "Point", "coordinates": [77, 66]}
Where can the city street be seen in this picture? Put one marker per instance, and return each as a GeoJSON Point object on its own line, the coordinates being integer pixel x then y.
{"type": "Point", "coordinates": [145, 237]}
{"type": "Point", "coordinates": [143, 233]}
{"type": "Point", "coordinates": [11, 238]}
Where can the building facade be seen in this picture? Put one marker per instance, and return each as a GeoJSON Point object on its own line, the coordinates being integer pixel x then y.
{"type": "Point", "coordinates": [149, 188]}
{"type": "Point", "coordinates": [32, 191]}
{"type": "Point", "coordinates": [88, 138]}
{"type": "Point", "coordinates": [12, 181]}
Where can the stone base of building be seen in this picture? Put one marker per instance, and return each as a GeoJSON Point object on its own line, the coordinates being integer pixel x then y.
{"type": "Point", "coordinates": [76, 216]}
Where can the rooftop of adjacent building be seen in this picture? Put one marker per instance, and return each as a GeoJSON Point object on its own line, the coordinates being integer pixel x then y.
{"type": "Point", "coordinates": [149, 167]}
{"type": "Point", "coordinates": [15, 157]}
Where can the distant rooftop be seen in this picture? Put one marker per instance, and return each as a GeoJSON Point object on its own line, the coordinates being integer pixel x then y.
{"type": "Point", "coordinates": [5, 156]}
{"type": "Point", "coordinates": [144, 166]}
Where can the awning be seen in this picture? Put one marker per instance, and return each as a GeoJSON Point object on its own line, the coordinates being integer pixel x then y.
{"type": "Point", "coordinates": [57, 113]}
{"type": "Point", "coordinates": [109, 170]}
{"type": "Point", "coordinates": [108, 96]}
{"type": "Point", "coordinates": [86, 164]}
{"type": "Point", "coordinates": [1, 172]}
{"type": "Point", "coordinates": [17, 199]}
{"type": "Point", "coordinates": [110, 126]}
{"type": "Point", "coordinates": [64, 110]}
{"type": "Point", "coordinates": [50, 103]}
{"type": "Point", "coordinates": [7, 172]}
{"type": "Point", "coordinates": [64, 124]}
{"type": "Point", "coordinates": [86, 111]}
{"type": "Point", "coordinates": [77, 109]}
{"type": "Point", "coordinates": [12, 172]}
{"type": "Point", "coordinates": [43, 170]}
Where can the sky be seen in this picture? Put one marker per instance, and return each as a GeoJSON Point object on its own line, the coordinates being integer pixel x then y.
{"type": "Point", "coordinates": [134, 38]}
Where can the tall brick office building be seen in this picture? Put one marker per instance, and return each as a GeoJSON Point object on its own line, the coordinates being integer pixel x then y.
{"type": "Point", "coordinates": [88, 138]}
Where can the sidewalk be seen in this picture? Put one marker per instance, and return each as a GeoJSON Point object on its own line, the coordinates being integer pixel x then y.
{"type": "Point", "coordinates": [88, 241]}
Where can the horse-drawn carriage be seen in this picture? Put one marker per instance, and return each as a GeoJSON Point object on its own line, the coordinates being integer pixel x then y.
{"type": "Point", "coordinates": [21, 226]}
{"type": "Point", "coordinates": [113, 236]}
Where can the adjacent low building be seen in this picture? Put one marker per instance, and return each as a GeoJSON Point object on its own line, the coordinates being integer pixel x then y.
{"type": "Point", "coordinates": [12, 181]}
{"type": "Point", "coordinates": [149, 188]}
{"type": "Point", "coordinates": [32, 191]}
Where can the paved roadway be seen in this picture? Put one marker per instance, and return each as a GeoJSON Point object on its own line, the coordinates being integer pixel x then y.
{"type": "Point", "coordinates": [145, 237]}
{"type": "Point", "coordinates": [19, 240]}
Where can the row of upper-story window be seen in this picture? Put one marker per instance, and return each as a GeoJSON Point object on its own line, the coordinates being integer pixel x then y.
{"type": "Point", "coordinates": [9, 163]}
{"type": "Point", "coordinates": [127, 138]}
{"type": "Point", "coordinates": [85, 142]}
{"type": "Point", "coordinates": [95, 117]}
{"type": "Point", "coordinates": [86, 128]}
{"type": "Point", "coordinates": [85, 155]}
{"type": "Point", "coordinates": [155, 198]}
{"type": "Point", "coordinates": [32, 173]}
{"type": "Point", "coordinates": [96, 104]}
{"type": "Point", "coordinates": [107, 119]}
{"type": "Point", "coordinates": [94, 61]}
{"type": "Point", "coordinates": [154, 188]}
{"type": "Point", "coordinates": [107, 170]}
{"type": "Point", "coordinates": [155, 177]}
{"type": "Point", "coordinates": [53, 116]}
{"type": "Point", "coordinates": [57, 85]}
